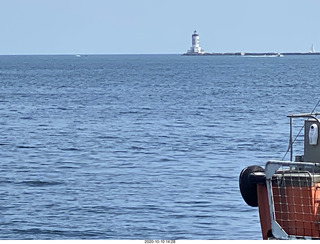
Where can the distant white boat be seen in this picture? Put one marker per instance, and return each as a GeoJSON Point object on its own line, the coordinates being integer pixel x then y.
{"type": "Point", "coordinates": [280, 55]}
{"type": "Point", "coordinates": [78, 55]}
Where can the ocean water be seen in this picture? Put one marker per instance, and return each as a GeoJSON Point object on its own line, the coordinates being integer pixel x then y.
{"type": "Point", "coordinates": [141, 146]}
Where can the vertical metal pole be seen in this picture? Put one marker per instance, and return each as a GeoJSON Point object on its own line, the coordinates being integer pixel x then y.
{"type": "Point", "coordinates": [277, 231]}
{"type": "Point", "coordinates": [290, 142]}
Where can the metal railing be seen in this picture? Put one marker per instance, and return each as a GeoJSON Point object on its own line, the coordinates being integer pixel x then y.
{"type": "Point", "coordinates": [294, 199]}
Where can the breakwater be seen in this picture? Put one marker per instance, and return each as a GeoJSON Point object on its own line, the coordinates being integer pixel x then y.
{"type": "Point", "coordinates": [251, 54]}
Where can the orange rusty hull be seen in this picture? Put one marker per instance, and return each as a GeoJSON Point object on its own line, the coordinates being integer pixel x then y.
{"type": "Point", "coordinates": [296, 208]}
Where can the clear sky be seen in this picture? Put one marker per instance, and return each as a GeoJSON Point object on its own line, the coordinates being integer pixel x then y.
{"type": "Point", "coordinates": [157, 26]}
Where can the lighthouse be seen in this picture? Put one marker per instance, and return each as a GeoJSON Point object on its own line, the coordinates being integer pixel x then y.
{"type": "Point", "coordinates": [195, 49]}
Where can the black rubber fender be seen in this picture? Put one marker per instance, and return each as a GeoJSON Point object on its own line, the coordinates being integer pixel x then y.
{"type": "Point", "coordinates": [248, 189]}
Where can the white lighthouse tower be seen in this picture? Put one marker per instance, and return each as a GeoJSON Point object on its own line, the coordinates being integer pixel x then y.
{"type": "Point", "coordinates": [195, 49]}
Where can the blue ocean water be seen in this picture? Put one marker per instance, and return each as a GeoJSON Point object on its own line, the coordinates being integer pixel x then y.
{"type": "Point", "coordinates": [141, 146]}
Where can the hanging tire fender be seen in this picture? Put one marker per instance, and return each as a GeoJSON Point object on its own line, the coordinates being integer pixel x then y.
{"type": "Point", "coordinates": [248, 187]}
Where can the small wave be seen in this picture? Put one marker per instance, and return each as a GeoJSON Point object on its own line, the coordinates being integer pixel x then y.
{"type": "Point", "coordinates": [70, 149]}
{"type": "Point", "coordinates": [62, 108]}
{"type": "Point", "coordinates": [5, 181]}
{"type": "Point", "coordinates": [129, 112]}
{"type": "Point", "coordinates": [69, 167]}
{"type": "Point", "coordinates": [166, 160]}
{"type": "Point", "coordinates": [27, 118]}
{"type": "Point", "coordinates": [25, 147]}
{"type": "Point", "coordinates": [45, 233]}
{"type": "Point", "coordinates": [137, 148]}
{"type": "Point", "coordinates": [40, 183]}
{"type": "Point", "coordinates": [37, 231]}
{"type": "Point", "coordinates": [108, 137]}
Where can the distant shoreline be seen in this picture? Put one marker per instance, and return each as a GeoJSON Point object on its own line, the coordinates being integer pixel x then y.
{"type": "Point", "coordinates": [251, 54]}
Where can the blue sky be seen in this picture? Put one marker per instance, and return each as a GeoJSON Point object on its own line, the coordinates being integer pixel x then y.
{"type": "Point", "coordinates": [157, 26]}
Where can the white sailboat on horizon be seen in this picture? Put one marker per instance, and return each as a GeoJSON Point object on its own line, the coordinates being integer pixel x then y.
{"type": "Point", "coordinates": [312, 50]}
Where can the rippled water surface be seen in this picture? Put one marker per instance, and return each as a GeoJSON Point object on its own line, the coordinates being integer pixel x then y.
{"type": "Point", "coordinates": [141, 146]}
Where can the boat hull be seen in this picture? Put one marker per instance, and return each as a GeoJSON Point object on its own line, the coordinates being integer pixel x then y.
{"type": "Point", "coordinates": [288, 201]}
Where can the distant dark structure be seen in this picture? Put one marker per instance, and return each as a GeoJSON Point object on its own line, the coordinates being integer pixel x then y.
{"type": "Point", "coordinates": [270, 54]}
{"type": "Point", "coordinates": [196, 50]}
